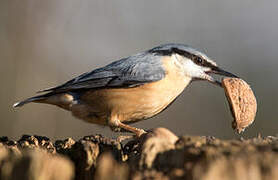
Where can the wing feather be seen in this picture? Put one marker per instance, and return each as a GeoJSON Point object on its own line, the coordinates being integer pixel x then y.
{"type": "Point", "coordinates": [128, 72]}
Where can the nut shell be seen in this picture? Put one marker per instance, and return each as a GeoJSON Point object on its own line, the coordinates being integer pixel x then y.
{"type": "Point", "coordinates": [243, 104]}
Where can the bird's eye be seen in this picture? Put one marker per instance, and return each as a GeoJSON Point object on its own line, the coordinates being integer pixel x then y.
{"type": "Point", "coordinates": [199, 60]}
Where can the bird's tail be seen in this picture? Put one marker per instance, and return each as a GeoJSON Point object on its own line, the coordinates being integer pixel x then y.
{"type": "Point", "coordinates": [39, 98]}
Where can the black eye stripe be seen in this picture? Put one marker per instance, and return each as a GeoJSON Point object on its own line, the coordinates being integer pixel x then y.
{"type": "Point", "coordinates": [183, 53]}
{"type": "Point", "coordinates": [202, 62]}
{"type": "Point", "coordinates": [196, 59]}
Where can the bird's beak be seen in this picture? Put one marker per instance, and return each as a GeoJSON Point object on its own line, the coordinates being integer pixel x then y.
{"type": "Point", "coordinates": [219, 71]}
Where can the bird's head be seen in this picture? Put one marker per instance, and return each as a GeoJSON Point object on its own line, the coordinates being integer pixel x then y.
{"type": "Point", "coordinates": [193, 63]}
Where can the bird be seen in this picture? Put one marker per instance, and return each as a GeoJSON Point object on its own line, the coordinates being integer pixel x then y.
{"type": "Point", "coordinates": [132, 89]}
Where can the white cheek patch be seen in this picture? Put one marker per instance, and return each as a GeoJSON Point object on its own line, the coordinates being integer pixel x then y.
{"type": "Point", "coordinates": [193, 70]}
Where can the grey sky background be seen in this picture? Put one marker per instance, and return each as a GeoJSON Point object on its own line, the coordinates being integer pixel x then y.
{"type": "Point", "coordinates": [45, 43]}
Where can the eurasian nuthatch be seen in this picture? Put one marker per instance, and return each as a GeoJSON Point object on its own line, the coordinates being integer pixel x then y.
{"type": "Point", "coordinates": [133, 88]}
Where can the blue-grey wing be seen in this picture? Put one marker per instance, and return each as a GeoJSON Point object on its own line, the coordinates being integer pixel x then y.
{"type": "Point", "coordinates": [128, 72]}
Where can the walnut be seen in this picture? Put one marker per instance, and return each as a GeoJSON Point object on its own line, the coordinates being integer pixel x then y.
{"type": "Point", "coordinates": [242, 102]}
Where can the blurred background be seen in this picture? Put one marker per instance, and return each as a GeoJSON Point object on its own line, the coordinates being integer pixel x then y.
{"type": "Point", "coordinates": [45, 43]}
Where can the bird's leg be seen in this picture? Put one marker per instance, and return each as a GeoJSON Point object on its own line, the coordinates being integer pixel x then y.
{"type": "Point", "coordinates": [116, 125]}
{"type": "Point", "coordinates": [134, 130]}
{"type": "Point", "coordinates": [122, 138]}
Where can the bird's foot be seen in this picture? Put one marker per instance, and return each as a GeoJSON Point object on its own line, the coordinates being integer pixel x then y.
{"type": "Point", "coordinates": [118, 126]}
{"type": "Point", "coordinates": [137, 135]}
{"type": "Point", "coordinates": [122, 138]}
{"type": "Point", "coordinates": [139, 132]}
